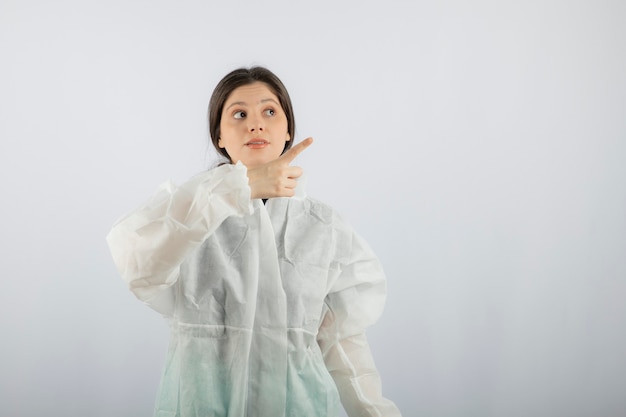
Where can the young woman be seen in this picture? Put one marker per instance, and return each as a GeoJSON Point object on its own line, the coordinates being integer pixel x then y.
{"type": "Point", "coordinates": [267, 292]}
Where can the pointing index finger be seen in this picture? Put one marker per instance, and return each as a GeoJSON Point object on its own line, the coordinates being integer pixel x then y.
{"type": "Point", "coordinates": [291, 154]}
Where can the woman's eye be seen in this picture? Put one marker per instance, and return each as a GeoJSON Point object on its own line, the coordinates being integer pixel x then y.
{"type": "Point", "coordinates": [239, 115]}
{"type": "Point", "coordinates": [270, 112]}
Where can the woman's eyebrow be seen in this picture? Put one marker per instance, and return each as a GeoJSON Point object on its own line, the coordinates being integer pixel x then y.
{"type": "Point", "coordinates": [243, 103]}
{"type": "Point", "coordinates": [236, 103]}
{"type": "Point", "coordinates": [265, 100]}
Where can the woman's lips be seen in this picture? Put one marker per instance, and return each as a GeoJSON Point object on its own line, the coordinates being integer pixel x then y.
{"type": "Point", "coordinates": [257, 144]}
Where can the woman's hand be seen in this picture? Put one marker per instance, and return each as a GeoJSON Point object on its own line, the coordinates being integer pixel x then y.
{"type": "Point", "coordinates": [277, 178]}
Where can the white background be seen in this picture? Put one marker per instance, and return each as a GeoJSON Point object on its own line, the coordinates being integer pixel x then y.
{"type": "Point", "coordinates": [479, 147]}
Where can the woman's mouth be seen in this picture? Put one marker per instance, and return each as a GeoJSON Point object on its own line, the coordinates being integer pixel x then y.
{"type": "Point", "coordinates": [257, 143]}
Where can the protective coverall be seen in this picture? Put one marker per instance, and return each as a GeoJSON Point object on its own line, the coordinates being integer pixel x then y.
{"type": "Point", "coordinates": [267, 304]}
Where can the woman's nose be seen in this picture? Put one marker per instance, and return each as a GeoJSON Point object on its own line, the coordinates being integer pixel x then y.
{"type": "Point", "coordinates": [255, 124]}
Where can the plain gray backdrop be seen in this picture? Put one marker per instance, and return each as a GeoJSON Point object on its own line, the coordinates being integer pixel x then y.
{"type": "Point", "coordinates": [479, 147]}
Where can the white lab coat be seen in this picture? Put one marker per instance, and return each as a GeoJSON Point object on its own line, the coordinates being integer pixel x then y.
{"type": "Point", "coordinates": [267, 304]}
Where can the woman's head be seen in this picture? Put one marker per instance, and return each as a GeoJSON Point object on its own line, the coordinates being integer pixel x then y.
{"type": "Point", "coordinates": [251, 103]}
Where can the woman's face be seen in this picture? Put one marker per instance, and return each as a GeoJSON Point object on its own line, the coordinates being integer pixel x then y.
{"type": "Point", "coordinates": [253, 128]}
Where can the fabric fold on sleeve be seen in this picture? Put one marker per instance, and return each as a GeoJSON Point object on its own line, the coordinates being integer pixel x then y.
{"type": "Point", "coordinates": [355, 301]}
{"type": "Point", "coordinates": [149, 244]}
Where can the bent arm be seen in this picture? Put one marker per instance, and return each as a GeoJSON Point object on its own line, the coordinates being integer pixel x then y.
{"type": "Point", "coordinates": [355, 302]}
{"type": "Point", "coordinates": [149, 244]}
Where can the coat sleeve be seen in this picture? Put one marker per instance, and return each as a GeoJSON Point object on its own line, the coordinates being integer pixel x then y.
{"type": "Point", "coordinates": [355, 301]}
{"type": "Point", "coordinates": [149, 244]}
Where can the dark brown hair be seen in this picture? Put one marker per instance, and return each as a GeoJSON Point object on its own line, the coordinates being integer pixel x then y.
{"type": "Point", "coordinates": [238, 78]}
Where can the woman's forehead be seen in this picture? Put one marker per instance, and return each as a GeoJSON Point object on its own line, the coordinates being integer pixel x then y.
{"type": "Point", "coordinates": [254, 92]}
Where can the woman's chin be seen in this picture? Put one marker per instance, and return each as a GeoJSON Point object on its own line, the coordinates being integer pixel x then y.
{"type": "Point", "coordinates": [254, 162]}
